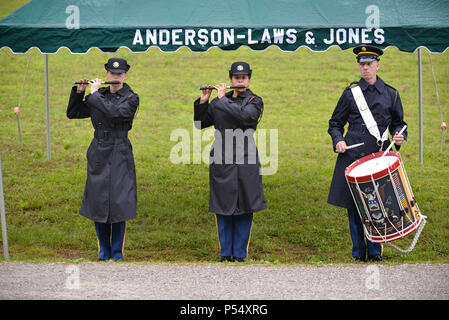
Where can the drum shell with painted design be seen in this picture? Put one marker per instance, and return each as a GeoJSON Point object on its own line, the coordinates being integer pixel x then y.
{"type": "Point", "coordinates": [383, 196]}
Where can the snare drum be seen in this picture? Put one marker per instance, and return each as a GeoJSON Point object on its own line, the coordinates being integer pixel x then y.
{"type": "Point", "coordinates": [381, 191]}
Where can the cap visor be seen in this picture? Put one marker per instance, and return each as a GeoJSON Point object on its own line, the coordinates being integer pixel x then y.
{"type": "Point", "coordinates": [116, 70]}
{"type": "Point", "coordinates": [366, 60]}
{"type": "Point", "coordinates": [239, 73]}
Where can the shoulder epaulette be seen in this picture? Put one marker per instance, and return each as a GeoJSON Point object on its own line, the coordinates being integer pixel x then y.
{"type": "Point", "coordinates": [352, 84]}
{"type": "Point", "coordinates": [390, 86]}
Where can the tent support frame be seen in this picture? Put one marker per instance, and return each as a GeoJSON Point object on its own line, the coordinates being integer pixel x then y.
{"type": "Point", "coordinates": [420, 107]}
{"type": "Point", "coordinates": [48, 108]}
{"type": "Point", "coordinates": [3, 217]}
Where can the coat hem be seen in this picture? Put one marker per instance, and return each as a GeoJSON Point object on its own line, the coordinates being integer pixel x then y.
{"type": "Point", "coordinates": [236, 214]}
{"type": "Point", "coordinates": [106, 220]}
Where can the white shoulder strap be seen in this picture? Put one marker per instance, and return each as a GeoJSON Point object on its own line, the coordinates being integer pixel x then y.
{"type": "Point", "coordinates": [367, 116]}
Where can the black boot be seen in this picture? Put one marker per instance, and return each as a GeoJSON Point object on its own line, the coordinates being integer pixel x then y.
{"type": "Point", "coordinates": [225, 258]}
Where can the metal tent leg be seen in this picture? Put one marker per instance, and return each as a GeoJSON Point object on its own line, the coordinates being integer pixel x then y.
{"type": "Point", "coordinates": [48, 108]}
{"type": "Point", "coordinates": [3, 217]}
{"type": "Point", "coordinates": [421, 146]}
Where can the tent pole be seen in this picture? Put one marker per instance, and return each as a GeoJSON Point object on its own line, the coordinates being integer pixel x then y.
{"type": "Point", "coordinates": [3, 217]}
{"type": "Point", "coordinates": [48, 108]}
{"type": "Point", "coordinates": [420, 107]}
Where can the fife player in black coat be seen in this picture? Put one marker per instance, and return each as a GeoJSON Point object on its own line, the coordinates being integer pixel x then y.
{"type": "Point", "coordinates": [236, 190]}
{"type": "Point", "coordinates": [110, 194]}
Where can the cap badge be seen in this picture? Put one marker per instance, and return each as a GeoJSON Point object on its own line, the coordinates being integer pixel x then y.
{"type": "Point", "coordinates": [115, 64]}
{"type": "Point", "coordinates": [363, 49]}
{"type": "Point", "coordinates": [239, 67]}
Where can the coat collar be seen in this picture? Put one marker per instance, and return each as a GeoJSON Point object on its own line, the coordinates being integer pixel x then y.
{"type": "Point", "coordinates": [122, 92]}
{"type": "Point", "coordinates": [379, 85]}
{"type": "Point", "coordinates": [246, 94]}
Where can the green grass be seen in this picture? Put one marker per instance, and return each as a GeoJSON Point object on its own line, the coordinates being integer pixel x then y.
{"type": "Point", "coordinates": [300, 90]}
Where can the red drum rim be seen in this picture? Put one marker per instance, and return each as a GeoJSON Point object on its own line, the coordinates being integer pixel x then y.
{"type": "Point", "coordinates": [397, 235]}
{"type": "Point", "coordinates": [376, 175]}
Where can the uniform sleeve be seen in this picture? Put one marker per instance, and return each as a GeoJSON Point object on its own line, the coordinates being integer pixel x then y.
{"type": "Point", "coordinates": [338, 120]}
{"type": "Point", "coordinates": [397, 118]}
{"type": "Point", "coordinates": [201, 115]}
{"type": "Point", "coordinates": [123, 110]}
{"type": "Point", "coordinates": [77, 108]}
{"type": "Point", "coordinates": [248, 115]}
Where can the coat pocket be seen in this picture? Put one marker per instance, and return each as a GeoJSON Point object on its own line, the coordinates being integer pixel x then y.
{"type": "Point", "coordinates": [91, 155]}
{"type": "Point", "coordinates": [125, 151]}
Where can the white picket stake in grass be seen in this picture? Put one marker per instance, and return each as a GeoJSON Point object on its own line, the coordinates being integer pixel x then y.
{"type": "Point", "coordinates": [3, 218]}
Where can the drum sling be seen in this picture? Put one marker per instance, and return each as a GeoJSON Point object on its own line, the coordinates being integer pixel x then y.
{"type": "Point", "coordinates": [367, 116]}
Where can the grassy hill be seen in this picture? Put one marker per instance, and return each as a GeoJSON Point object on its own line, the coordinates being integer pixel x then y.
{"type": "Point", "coordinates": [300, 90]}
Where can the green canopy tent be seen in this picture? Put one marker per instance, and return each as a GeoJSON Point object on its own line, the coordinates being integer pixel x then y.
{"type": "Point", "coordinates": [199, 25]}
{"type": "Point", "coordinates": [80, 25]}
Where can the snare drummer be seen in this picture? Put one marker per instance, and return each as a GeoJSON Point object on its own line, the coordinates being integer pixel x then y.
{"type": "Point", "coordinates": [385, 106]}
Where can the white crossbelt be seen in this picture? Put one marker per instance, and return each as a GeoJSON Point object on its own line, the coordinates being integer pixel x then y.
{"type": "Point", "coordinates": [367, 116]}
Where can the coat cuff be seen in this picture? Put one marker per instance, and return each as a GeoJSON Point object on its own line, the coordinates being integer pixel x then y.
{"type": "Point", "coordinates": [337, 140]}
{"type": "Point", "coordinates": [74, 89]}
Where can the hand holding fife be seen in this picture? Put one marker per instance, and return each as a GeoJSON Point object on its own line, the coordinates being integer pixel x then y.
{"type": "Point", "coordinates": [95, 85]}
{"type": "Point", "coordinates": [221, 89]}
{"type": "Point", "coordinates": [205, 95]}
{"type": "Point", "coordinates": [82, 87]}
{"type": "Point", "coordinates": [340, 147]}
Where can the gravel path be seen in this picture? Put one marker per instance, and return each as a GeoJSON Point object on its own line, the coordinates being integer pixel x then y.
{"type": "Point", "coordinates": [98, 281]}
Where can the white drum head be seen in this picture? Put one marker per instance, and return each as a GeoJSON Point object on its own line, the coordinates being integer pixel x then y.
{"type": "Point", "coordinates": [373, 166]}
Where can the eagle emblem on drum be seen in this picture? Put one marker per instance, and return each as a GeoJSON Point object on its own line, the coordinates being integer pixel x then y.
{"type": "Point", "coordinates": [373, 203]}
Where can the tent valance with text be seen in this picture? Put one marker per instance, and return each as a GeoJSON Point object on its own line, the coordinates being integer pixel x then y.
{"type": "Point", "coordinates": [199, 25]}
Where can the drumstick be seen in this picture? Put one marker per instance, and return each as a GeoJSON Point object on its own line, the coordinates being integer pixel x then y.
{"type": "Point", "coordinates": [355, 145]}
{"type": "Point", "coordinates": [391, 144]}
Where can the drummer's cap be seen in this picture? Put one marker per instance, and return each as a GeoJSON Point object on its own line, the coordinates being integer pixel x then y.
{"type": "Point", "coordinates": [117, 65]}
{"type": "Point", "coordinates": [240, 67]}
{"type": "Point", "coordinates": [367, 53]}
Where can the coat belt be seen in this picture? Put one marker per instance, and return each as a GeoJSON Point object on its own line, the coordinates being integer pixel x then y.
{"type": "Point", "coordinates": [105, 135]}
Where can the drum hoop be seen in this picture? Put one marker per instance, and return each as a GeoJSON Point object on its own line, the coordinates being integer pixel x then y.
{"type": "Point", "coordinates": [377, 175]}
{"type": "Point", "coordinates": [396, 235]}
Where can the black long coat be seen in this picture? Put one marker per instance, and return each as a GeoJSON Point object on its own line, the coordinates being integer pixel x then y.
{"type": "Point", "coordinates": [234, 171]}
{"type": "Point", "coordinates": [110, 194]}
{"type": "Point", "coordinates": [386, 107]}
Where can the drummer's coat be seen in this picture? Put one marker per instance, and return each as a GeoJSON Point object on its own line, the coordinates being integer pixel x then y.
{"type": "Point", "coordinates": [110, 194]}
{"type": "Point", "coordinates": [386, 107]}
{"type": "Point", "coordinates": [234, 178]}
